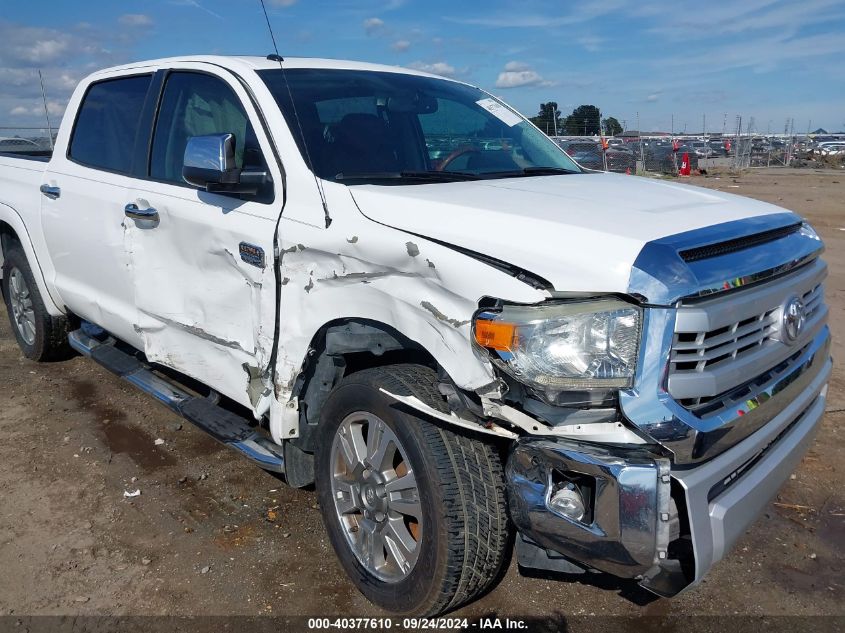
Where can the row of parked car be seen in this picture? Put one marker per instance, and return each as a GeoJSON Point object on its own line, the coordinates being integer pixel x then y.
{"type": "Point", "coordinates": [660, 155]}
{"type": "Point", "coordinates": [621, 156]}
{"type": "Point", "coordinates": [820, 147]}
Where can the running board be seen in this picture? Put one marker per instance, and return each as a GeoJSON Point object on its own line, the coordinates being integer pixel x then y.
{"type": "Point", "coordinates": [224, 426]}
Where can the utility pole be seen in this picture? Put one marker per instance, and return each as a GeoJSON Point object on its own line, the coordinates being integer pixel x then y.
{"type": "Point", "coordinates": [704, 125]}
{"type": "Point", "coordinates": [738, 150]}
{"type": "Point", "coordinates": [789, 147]}
{"type": "Point", "coordinates": [640, 135]}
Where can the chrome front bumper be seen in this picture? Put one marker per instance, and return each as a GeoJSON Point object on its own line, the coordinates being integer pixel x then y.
{"type": "Point", "coordinates": [632, 526]}
{"type": "Point", "coordinates": [758, 466]}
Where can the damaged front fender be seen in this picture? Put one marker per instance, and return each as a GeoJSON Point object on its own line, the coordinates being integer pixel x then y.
{"type": "Point", "coordinates": [360, 270]}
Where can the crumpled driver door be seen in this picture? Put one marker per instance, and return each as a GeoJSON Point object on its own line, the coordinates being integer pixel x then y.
{"type": "Point", "coordinates": [202, 263]}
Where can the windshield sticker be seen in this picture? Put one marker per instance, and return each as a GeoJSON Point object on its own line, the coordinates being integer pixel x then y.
{"type": "Point", "coordinates": [499, 111]}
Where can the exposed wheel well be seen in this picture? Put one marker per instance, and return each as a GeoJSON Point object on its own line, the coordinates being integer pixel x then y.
{"type": "Point", "coordinates": [8, 236]}
{"type": "Point", "coordinates": [341, 348]}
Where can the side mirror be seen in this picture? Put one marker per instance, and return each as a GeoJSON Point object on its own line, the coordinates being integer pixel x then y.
{"type": "Point", "coordinates": [209, 163]}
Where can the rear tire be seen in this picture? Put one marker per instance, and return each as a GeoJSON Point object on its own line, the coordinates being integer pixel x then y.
{"type": "Point", "coordinates": [41, 336]}
{"type": "Point", "coordinates": [461, 536]}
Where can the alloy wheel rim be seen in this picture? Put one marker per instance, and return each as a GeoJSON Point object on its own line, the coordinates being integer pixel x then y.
{"type": "Point", "coordinates": [23, 313]}
{"type": "Point", "coordinates": [376, 498]}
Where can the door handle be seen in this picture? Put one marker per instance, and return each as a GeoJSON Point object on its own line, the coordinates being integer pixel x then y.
{"type": "Point", "coordinates": [133, 212]}
{"type": "Point", "coordinates": [50, 192]}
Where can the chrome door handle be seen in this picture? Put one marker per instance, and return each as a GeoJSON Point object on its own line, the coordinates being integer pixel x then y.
{"type": "Point", "coordinates": [132, 211]}
{"type": "Point", "coordinates": [50, 192]}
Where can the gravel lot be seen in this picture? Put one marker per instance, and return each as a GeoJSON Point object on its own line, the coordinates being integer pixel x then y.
{"type": "Point", "coordinates": [211, 534]}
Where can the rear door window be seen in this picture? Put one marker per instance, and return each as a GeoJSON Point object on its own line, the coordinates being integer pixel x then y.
{"type": "Point", "coordinates": [107, 123]}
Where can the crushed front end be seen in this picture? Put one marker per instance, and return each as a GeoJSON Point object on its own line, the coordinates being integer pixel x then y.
{"type": "Point", "coordinates": [728, 391]}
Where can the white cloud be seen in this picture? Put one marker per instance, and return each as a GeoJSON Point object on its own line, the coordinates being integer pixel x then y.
{"type": "Point", "coordinates": [64, 55]}
{"type": "Point", "coordinates": [196, 5]}
{"type": "Point", "coordinates": [700, 21]}
{"type": "Point", "coordinates": [135, 19]}
{"type": "Point", "coordinates": [591, 43]}
{"type": "Point", "coordinates": [653, 97]}
{"type": "Point", "coordinates": [282, 3]}
{"type": "Point", "coordinates": [767, 53]}
{"type": "Point", "coordinates": [516, 66]}
{"type": "Point", "coordinates": [41, 51]}
{"type": "Point", "coordinates": [400, 46]}
{"type": "Point", "coordinates": [373, 25]}
{"type": "Point", "coordinates": [437, 68]}
{"type": "Point", "coordinates": [518, 74]}
{"type": "Point", "coordinates": [54, 107]}
{"type": "Point", "coordinates": [576, 14]}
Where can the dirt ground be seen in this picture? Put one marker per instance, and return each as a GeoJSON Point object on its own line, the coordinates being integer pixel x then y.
{"type": "Point", "coordinates": [212, 534]}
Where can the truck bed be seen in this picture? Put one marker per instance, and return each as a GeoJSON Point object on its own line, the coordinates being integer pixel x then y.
{"type": "Point", "coordinates": [20, 178]}
{"type": "Point", "coordinates": [40, 156]}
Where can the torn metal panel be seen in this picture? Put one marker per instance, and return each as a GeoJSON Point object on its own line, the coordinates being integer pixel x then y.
{"type": "Point", "coordinates": [451, 418]}
{"type": "Point", "coordinates": [202, 308]}
{"type": "Point", "coordinates": [614, 432]}
{"type": "Point", "coordinates": [423, 290]}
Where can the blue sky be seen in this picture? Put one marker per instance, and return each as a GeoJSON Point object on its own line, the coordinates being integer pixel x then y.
{"type": "Point", "coordinates": [767, 59]}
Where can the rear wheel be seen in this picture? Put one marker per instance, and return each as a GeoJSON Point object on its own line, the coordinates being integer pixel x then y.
{"type": "Point", "coordinates": [40, 335]}
{"type": "Point", "coordinates": [415, 512]}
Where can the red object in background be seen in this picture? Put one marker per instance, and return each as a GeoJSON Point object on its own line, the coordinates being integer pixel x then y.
{"type": "Point", "coordinates": [604, 144]}
{"type": "Point", "coordinates": [675, 146]}
{"type": "Point", "coordinates": [685, 166]}
{"type": "Point", "coordinates": [727, 146]}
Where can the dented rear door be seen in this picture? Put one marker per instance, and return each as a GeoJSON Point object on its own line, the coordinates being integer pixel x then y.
{"type": "Point", "coordinates": [202, 272]}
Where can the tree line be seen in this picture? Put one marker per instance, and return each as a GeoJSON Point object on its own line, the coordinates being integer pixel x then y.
{"type": "Point", "coordinates": [585, 120]}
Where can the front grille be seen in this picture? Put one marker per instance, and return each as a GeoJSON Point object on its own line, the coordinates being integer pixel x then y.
{"type": "Point", "coordinates": [746, 392]}
{"type": "Point", "coordinates": [699, 350]}
{"type": "Point", "coordinates": [725, 346]}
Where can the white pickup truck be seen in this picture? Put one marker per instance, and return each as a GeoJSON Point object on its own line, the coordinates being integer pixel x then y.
{"type": "Point", "coordinates": [393, 286]}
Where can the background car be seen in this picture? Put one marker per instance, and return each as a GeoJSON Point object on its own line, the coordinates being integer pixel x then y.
{"type": "Point", "coordinates": [586, 153]}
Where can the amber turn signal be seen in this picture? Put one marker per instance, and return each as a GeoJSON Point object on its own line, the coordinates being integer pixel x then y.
{"type": "Point", "coordinates": [495, 335]}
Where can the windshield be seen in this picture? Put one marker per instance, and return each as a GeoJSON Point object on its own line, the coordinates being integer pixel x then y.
{"type": "Point", "coordinates": [372, 126]}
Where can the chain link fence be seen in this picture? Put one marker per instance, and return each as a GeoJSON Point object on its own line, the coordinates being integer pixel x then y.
{"type": "Point", "coordinates": [631, 152]}
{"type": "Point", "coordinates": [588, 141]}
{"type": "Point", "coordinates": [27, 140]}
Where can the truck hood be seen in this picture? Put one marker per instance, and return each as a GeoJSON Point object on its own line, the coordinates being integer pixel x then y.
{"type": "Point", "coordinates": [581, 232]}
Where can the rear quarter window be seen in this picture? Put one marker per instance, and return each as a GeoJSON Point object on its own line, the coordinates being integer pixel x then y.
{"type": "Point", "coordinates": [107, 122]}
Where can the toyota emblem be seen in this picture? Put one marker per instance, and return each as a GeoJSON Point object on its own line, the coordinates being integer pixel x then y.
{"type": "Point", "coordinates": [794, 317]}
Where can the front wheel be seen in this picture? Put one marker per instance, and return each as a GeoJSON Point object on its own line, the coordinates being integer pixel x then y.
{"type": "Point", "coordinates": [415, 512]}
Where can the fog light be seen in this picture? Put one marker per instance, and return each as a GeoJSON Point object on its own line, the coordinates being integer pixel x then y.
{"type": "Point", "coordinates": [568, 502]}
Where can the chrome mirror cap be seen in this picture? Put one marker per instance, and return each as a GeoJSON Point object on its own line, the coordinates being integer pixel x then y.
{"type": "Point", "coordinates": [210, 160]}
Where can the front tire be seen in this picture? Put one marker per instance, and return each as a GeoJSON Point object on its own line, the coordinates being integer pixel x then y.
{"type": "Point", "coordinates": [41, 336]}
{"type": "Point", "coordinates": [415, 512]}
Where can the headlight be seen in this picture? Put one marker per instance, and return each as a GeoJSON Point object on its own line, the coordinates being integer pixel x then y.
{"type": "Point", "coordinates": [554, 347]}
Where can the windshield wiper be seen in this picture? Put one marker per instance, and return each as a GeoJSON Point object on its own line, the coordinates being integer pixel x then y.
{"type": "Point", "coordinates": [431, 176]}
{"type": "Point", "coordinates": [529, 171]}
